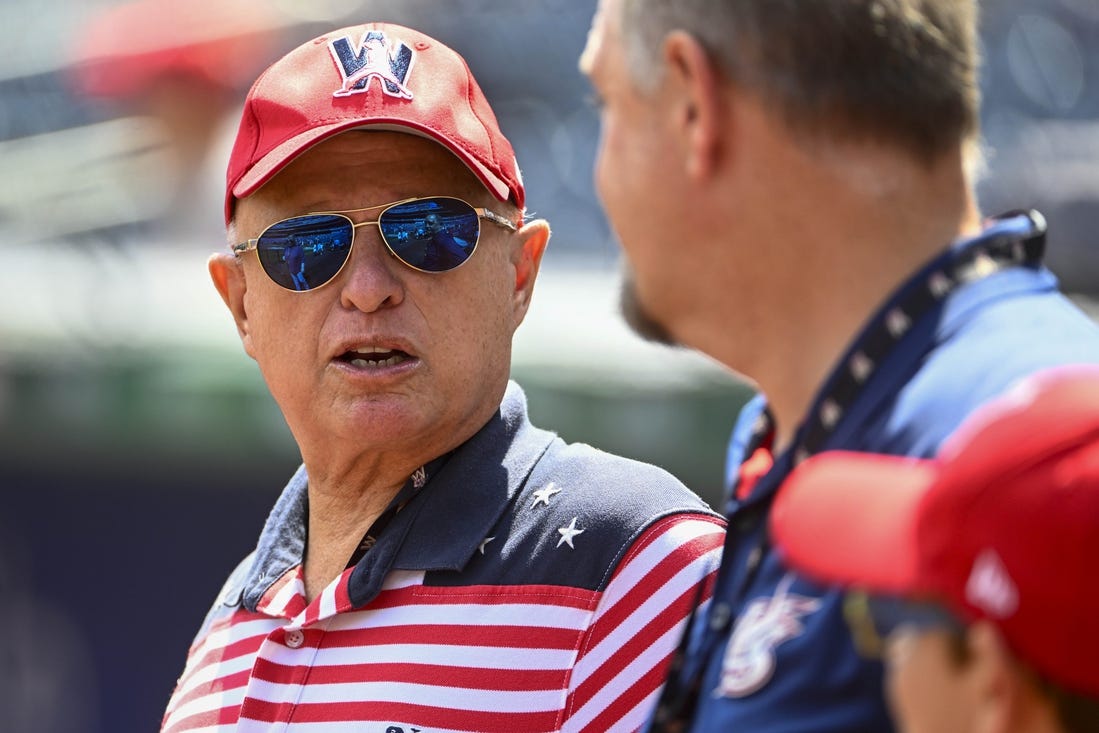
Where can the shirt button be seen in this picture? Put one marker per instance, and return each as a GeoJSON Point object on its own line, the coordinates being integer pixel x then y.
{"type": "Point", "coordinates": [294, 638]}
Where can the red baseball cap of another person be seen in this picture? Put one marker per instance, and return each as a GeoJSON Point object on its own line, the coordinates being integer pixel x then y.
{"type": "Point", "coordinates": [1003, 525]}
{"type": "Point", "coordinates": [127, 49]}
{"type": "Point", "coordinates": [375, 75]}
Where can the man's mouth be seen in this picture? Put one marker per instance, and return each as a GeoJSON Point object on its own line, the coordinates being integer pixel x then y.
{"type": "Point", "coordinates": [374, 357]}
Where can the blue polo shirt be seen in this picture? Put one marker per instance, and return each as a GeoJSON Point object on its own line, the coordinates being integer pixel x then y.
{"type": "Point", "coordinates": [772, 653]}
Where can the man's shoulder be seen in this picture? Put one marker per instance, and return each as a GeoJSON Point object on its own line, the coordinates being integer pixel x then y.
{"type": "Point", "coordinates": [580, 460]}
{"type": "Point", "coordinates": [623, 491]}
{"type": "Point", "coordinates": [996, 346]}
{"type": "Point", "coordinates": [577, 516]}
{"type": "Point", "coordinates": [229, 597]}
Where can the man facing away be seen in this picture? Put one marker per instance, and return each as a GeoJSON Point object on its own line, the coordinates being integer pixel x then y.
{"type": "Point", "coordinates": [792, 186]}
{"type": "Point", "coordinates": [974, 575]}
{"type": "Point", "coordinates": [437, 563]}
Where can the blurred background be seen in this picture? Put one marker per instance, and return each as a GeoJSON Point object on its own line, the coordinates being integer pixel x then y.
{"type": "Point", "coordinates": [139, 451]}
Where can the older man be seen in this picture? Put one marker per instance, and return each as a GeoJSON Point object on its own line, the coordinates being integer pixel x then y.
{"type": "Point", "coordinates": [792, 185]}
{"type": "Point", "coordinates": [437, 563]}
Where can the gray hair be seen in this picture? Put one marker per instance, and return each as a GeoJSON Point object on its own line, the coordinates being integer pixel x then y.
{"type": "Point", "coordinates": [899, 71]}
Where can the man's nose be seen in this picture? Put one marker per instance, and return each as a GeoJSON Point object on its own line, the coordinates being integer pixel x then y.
{"type": "Point", "coordinates": [372, 278]}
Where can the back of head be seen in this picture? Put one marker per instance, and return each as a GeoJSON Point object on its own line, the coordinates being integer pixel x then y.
{"type": "Point", "coordinates": [900, 72]}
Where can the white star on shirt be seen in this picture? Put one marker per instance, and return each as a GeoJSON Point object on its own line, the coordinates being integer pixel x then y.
{"type": "Point", "coordinates": [485, 542]}
{"type": "Point", "coordinates": [543, 495]}
{"type": "Point", "coordinates": [567, 533]}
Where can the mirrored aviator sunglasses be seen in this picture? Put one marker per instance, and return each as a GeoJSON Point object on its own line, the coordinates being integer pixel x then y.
{"type": "Point", "coordinates": [434, 234]}
{"type": "Point", "coordinates": [872, 619]}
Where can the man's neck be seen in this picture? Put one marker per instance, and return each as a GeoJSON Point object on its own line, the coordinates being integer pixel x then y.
{"type": "Point", "coordinates": [337, 524]}
{"type": "Point", "coordinates": [866, 221]}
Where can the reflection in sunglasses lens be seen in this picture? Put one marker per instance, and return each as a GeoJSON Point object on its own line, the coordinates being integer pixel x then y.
{"type": "Point", "coordinates": [435, 235]}
{"type": "Point", "coordinates": [307, 251]}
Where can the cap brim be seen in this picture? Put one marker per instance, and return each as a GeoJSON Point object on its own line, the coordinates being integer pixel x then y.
{"type": "Point", "coordinates": [850, 519]}
{"type": "Point", "coordinates": [269, 165]}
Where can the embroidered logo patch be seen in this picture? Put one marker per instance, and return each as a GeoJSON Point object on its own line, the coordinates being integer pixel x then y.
{"type": "Point", "coordinates": [386, 59]}
{"type": "Point", "coordinates": [766, 622]}
{"type": "Point", "coordinates": [990, 587]}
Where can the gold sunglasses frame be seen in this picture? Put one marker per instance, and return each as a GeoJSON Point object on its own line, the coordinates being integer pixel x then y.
{"type": "Point", "coordinates": [251, 245]}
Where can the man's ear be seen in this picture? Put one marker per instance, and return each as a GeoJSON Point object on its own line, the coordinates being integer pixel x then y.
{"type": "Point", "coordinates": [227, 272]}
{"type": "Point", "coordinates": [692, 91]}
{"type": "Point", "coordinates": [1000, 695]}
{"type": "Point", "coordinates": [527, 258]}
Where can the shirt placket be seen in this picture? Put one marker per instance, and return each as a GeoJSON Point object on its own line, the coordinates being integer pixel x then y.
{"type": "Point", "coordinates": [280, 673]}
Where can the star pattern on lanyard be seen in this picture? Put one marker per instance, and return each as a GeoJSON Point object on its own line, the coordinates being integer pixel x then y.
{"type": "Point", "coordinates": [542, 496]}
{"type": "Point", "coordinates": [567, 534]}
{"type": "Point", "coordinates": [861, 366]}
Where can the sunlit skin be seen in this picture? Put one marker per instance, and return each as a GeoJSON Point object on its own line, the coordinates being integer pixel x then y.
{"type": "Point", "coordinates": [745, 237]}
{"type": "Point", "coordinates": [926, 687]}
{"type": "Point", "coordinates": [931, 690]}
{"type": "Point", "coordinates": [363, 430]}
{"type": "Point", "coordinates": [634, 152]}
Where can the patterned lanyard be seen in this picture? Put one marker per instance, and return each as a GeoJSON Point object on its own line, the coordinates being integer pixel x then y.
{"type": "Point", "coordinates": [1007, 243]}
{"type": "Point", "coordinates": [410, 489]}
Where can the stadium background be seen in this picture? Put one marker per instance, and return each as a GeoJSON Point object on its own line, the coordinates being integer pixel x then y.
{"type": "Point", "coordinates": [139, 451]}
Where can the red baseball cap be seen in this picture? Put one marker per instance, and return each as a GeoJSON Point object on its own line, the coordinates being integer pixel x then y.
{"type": "Point", "coordinates": [1003, 525]}
{"type": "Point", "coordinates": [128, 48]}
{"type": "Point", "coordinates": [375, 75]}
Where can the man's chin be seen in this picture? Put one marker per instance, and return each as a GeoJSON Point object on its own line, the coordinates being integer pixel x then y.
{"type": "Point", "coordinates": [639, 318]}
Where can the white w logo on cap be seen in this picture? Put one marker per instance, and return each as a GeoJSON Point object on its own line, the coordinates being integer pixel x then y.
{"type": "Point", "coordinates": [990, 587]}
{"type": "Point", "coordinates": [375, 56]}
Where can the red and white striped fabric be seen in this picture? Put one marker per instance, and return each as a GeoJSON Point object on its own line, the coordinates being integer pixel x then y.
{"type": "Point", "coordinates": [424, 658]}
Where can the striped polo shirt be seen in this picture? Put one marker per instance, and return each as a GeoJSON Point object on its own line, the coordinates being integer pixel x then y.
{"type": "Point", "coordinates": [526, 585]}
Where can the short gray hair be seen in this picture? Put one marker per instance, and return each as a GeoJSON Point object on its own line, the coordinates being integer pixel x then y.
{"type": "Point", "coordinates": [898, 71]}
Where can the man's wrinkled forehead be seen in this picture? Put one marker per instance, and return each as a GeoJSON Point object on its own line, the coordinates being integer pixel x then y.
{"type": "Point", "coordinates": [332, 175]}
{"type": "Point", "coordinates": [342, 161]}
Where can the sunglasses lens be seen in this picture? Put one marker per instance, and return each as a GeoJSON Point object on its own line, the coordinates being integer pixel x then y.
{"type": "Point", "coordinates": [874, 618]}
{"type": "Point", "coordinates": [305, 252]}
{"type": "Point", "coordinates": [434, 234]}
{"type": "Point", "coordinates": [889, 614]}
{"type": "Point", "coordinates": [867, 636]}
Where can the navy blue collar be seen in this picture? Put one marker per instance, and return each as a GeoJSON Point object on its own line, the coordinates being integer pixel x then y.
{"type": "Point", "coordinates": [441, 526]}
